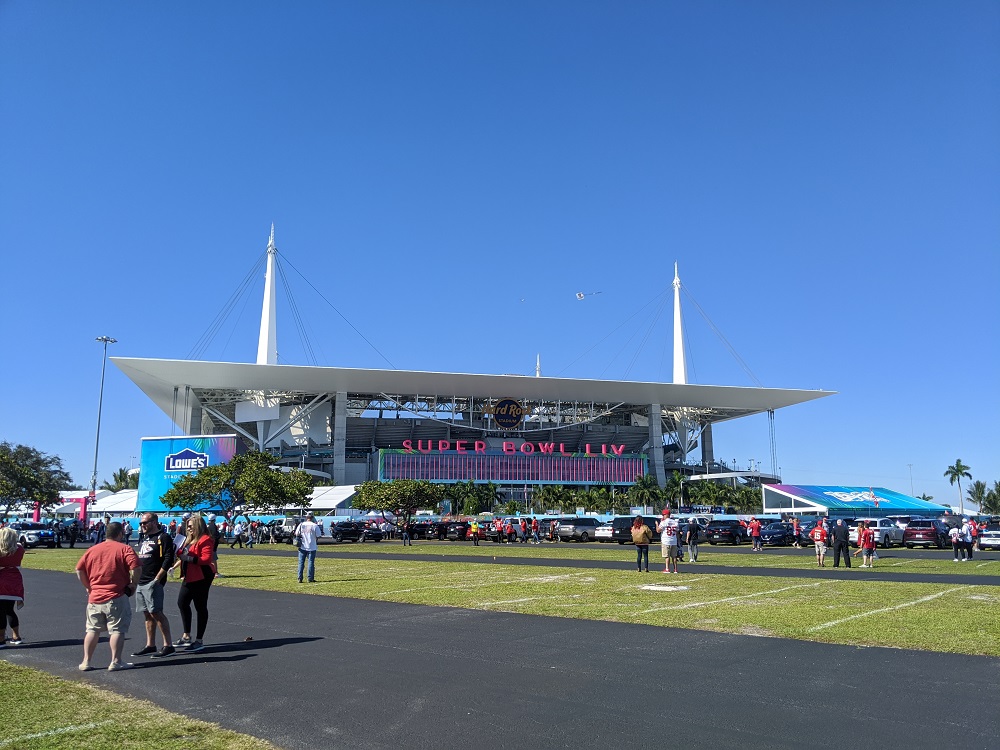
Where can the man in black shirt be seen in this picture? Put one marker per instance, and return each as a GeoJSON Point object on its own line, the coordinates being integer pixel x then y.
{"type": "Point", "coordinates": [841, 537]}
{"type": "Point", "coordinates": [156, 553]}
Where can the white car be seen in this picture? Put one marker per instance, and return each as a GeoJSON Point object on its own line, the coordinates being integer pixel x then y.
{"type": "Point", "coordinates": [887, 533]}
{"type": "Point", "coordinates": [603, 532]}
{"type": "Point", "coordinates": [989, 538]}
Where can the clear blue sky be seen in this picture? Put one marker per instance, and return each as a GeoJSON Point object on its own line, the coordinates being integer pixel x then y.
{"type": "Point", "coordinates": [826, 174]}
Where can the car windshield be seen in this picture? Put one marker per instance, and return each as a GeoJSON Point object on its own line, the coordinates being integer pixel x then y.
{"type": "Point", "coordinates": [775, 527]}
{"type": "Point", "coordinates": [920, 524]}
{"type": "Point", "coordinates": [720, 524]}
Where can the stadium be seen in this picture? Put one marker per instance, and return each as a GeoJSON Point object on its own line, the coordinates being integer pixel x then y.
{"type": "Point", "coordinates": [518, 432]}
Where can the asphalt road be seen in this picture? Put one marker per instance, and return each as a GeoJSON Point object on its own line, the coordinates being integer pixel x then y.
{"type": "Point", "coordinates": [322, 672]}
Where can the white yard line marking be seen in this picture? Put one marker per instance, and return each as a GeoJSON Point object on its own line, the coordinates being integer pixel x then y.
{"type": "Point", "coordinates": [988, 562]}
{"type": "Point", "coordinates": [886, 609]}
{"type": "Point", "coordinates": [733, 598]}
{"type": "Point", "coordinates": [467, 586]}
{"type": "Point", "coordinates": [52, 732]}
{"type": "Point", "coordinates": [530, 599]}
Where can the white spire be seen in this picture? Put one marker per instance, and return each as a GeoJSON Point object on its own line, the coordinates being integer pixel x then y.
{"type": "Point", "coordinates": [538, 365]}
{"type": "Point", "coordinates": [267, 344]}
{"type": "Point", "coordinates": [680, 363]}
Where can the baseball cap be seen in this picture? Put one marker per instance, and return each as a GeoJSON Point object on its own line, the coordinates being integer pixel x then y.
{"type": "Point", "coordinates": [211, 516]}
{"type": "Point", "coordinates": [186, 516]}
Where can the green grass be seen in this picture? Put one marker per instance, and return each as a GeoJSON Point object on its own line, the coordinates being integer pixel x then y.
{"type": "Point", "coordinates": [78, 715]}
{"type": "Point", "coordinates": [920, 616]}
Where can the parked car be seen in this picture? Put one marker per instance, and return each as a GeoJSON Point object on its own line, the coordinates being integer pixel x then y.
{"type": "Point", "coordinates": [730, 532]}
{"type": "Point", "coordinates": [577, 529]}
{"type": "Point", "coordinates": [989, 537]}
{"type": "Point", "coordinates": [926, 532]}
{"type": "Point", "coordinates": [457, 531]}
{"type": "Point", "coordinates": [603, 532]}
{"type": "Point", "coordinates": [777, 534]}
{"type": "Point", "coordinates": [903, 521]}
{"type": "Point", "coordinates": [887, 532]}
{"type": "Point", "coordinates": [31, 534]}
{"type": "Point", "coordinates": [621, 528]}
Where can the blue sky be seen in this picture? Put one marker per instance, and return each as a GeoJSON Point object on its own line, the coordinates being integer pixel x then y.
{"type": "Point", "coordinates": [450, 174]}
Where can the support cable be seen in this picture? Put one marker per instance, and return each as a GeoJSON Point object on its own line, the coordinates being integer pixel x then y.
{"type": "Point", "coordinates": [202, 344]}
{"type": "Point", "coordinates": [300, 327]}
{"type": "Point", "coordinates": [744, 365]}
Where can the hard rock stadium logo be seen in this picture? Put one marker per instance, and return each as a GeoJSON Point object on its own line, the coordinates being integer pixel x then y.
{"type": "Point", "coordinates": [507, 413]}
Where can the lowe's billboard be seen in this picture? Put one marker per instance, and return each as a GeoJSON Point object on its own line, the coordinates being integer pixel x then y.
{"type": "Point", "coordinates": [164, 460]}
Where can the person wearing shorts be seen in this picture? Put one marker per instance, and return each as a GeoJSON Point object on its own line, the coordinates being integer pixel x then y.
{"type": "Point", "coordinates": [668, 529]}
{"type": "Point", "coordinates": [156, 554]}
{"type": "Point", "coordinates": [109, 571]}
{"type": "Point", "coordinates": [818, 535]}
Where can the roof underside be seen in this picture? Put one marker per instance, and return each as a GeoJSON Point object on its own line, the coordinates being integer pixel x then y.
{"type": "Point", "coordinates": [223, 384]}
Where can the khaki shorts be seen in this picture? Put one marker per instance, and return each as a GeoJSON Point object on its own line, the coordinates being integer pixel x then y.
{"type": "Point", "coordinates": [820, 548]}
{"type": "Point", "coordinates": [669, 551]}
{"type": "Point", "coordinates": [114, 616]}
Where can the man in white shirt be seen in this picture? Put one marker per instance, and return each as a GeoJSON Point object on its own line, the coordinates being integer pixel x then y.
{"type": "Point", "coordinates": [307, 532]}
{"type": "Point", "coordinates": [668, 529]}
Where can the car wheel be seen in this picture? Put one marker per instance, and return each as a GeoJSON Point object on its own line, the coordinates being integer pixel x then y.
{"type": "Point", "coordinates": [337, 537]}
{"type": "Point", "coordinates": [621, 542]}
{"type": "Point", "coordinates": [909, 546]}
{"type": "Point", "coordinates": [887, 542]}
{"type": "Point", "coordinates": [712, 543]}
{"type": "Point", "coordinates": [584, 537]}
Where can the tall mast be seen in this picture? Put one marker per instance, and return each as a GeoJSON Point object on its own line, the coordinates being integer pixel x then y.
{"type": "Point", "coordinates": [267, 344]}
{"type": "Point", "coordinates": [538, 365]}
{"type": "Point", "coordinates": [680, 363]}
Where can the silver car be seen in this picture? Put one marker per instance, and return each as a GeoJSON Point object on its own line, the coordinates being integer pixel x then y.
{"type": "Point", "coordinates": [887, 533]}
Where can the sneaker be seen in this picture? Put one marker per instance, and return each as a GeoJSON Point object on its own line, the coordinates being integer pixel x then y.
{"type": "Point", "coordinates": [14, 642]}
{"type": "Point", "coordinates": [195, 647]}
{"type": "Point", "coordinates": [145, 651]}
{"type": "Point", "coordinates": [118, 666]}
{"type": "Point", "coordinates": [182, 641]}
{"type": "Point", "coordinates": [164, 652]}
{"type": "Point", "coordinates": [85, 667]}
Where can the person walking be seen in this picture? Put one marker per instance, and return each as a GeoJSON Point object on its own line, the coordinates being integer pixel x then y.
{"type": "Point", "coordinates": [818, 535]}
{"type": "Point", "coordinates": [73, 532]}
{"type": "Point", "coordinates": [109, 571]}
{"type": "Point", "coordinates": [691, 538]}
{"type": "Point", "coordinates": [535, 539]}
{"type": "Point", "coordinates": [642, 535]}
{"type": "Point", "coordinates": [754, 528]}
{"type": "Point", "coordinates": [866, 540]}
{"type": "Point", "coordinates": [796, 532]}
{"type": "Point", "coordinates": [198, 571]}
{"type": "Point", "coordinates": [967, 537]}
{"type": "Point", "coordinates": [307, 531]}
{"type": "Point", "coordinates": [11, 587]}
{"type": "Point", "coordinates": [841, 543]}
{"type": "Point", "coordinates": [667, 528]}
{"type": "Point", "coordinates": [957, 545]}
{"type": "Point", "coordinates": [156, 554]}
{"type": "Point", "coordinates": [237, 535]}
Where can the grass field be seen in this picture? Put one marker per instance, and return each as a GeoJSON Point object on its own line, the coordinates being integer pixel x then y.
{"type": "Point", "coordinates": [39, 711]}
{"type": "Point", "coordinates": [962, 618]}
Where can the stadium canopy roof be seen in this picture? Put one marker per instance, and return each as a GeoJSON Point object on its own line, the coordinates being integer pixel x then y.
{"type": "Point", "coordinates": [221, 383]}
{"type": "Point", "coordinates": [843, 501]}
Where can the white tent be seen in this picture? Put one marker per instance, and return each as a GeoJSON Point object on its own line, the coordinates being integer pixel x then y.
{"type": "Point", "coordinates": [330, 498]}
{"type": "Point", "coordinates": [119, 504]}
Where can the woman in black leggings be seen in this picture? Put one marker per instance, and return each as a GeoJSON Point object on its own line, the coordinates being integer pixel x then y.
{"type": "Point", "coordinates": [198, 572]}
{"type": "Point", "coordinates": [11, 586]}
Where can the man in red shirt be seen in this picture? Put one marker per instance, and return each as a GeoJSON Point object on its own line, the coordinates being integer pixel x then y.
{"type": "Point", "coordinates": [109, 571]}
{"type": "Point", "coordinates": [754, 528]}
{"type": "Point", "coordinates": [819, 535]}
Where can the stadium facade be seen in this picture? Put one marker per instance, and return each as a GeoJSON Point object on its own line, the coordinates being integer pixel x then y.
{"type": "Point", "coordinates": [519, 432]}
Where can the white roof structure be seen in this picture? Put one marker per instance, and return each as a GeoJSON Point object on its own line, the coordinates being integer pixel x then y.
{"type": "Point", "coordinates": [330, 498]}
{"type": "Point", "coordinates": [120, 503]}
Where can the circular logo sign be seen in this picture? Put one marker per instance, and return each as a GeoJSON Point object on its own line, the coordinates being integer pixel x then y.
{"type": "Point", "coordinates": [508, 414]}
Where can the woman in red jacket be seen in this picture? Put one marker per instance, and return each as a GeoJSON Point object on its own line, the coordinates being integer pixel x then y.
{"type": "Point", "coordinates": [198, 572]}
{"type": "Point", "coordinates": [11, 586]}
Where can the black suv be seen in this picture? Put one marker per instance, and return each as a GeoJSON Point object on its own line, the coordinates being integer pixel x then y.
{"type": "Point", "coordinates": [730, 532]}
{"type": "Point", "coordinates": [621, 528]}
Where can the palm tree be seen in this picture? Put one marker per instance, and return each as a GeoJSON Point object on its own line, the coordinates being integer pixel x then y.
{"type": "Point", "coordinates": [992, 504]}
{"type": "Point", "coordinates": [977, 494]}
{"type": "Point", "coordinates": [955, 474]}
{"type": "Point", "coordinates": [925, 497]}
{"type": "Point", "coordinates": [645, 492]}
{"type": "Point", "coordinates": [121, 480]}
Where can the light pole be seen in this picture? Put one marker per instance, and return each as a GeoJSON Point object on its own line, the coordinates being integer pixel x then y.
{"type": "Point", "coordinates": [97, 443]}
{"type": "Point", "coordinates": [911, 479]}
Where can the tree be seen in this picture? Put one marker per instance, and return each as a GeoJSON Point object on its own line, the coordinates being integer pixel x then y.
{"type": "Point", "coordinates": [675, 487]}
{"type": "Point", "coordinates": [992, 504]}
{"type": "Point", "coordinates": [400, 497]}
{"type": "Point", "coordinates": [28, 476]}
{"type": "Point", "coordinates": [954, 474]}
{"type": "Point", "coordinates": [247, 483]}
{"type": "Point", "coordinates": [977, 494]}
{"type": "Point", "coordinates": [925, 497]}
{"type": "Point", "coordinates": [121, 480]}
{"type": "Point", "coordinates": [646, 492]}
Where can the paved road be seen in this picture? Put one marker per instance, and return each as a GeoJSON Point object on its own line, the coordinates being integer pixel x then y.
{"type": "Point", "coordinates": [323, 672]}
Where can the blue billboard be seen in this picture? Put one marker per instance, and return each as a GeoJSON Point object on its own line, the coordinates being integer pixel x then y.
{"type": "Point", "coordinates": [164, 460]}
